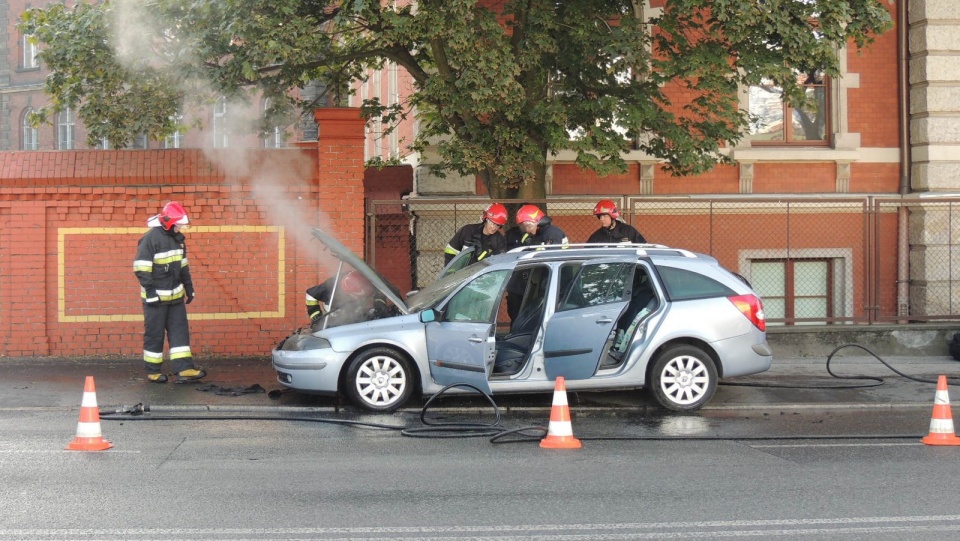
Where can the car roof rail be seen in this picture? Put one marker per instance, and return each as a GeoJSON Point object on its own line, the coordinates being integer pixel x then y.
{"type": "Point", "coordinates": [639, 249]}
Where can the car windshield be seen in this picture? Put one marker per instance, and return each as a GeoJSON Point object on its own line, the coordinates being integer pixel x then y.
{"type": "Point", "coordinates": [429, 296]}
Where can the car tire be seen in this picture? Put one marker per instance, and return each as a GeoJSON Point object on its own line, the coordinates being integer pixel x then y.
{"type": "Point", "coordinates": [380, 379]}
{"type": "Point", "coordinates": [683, 378]}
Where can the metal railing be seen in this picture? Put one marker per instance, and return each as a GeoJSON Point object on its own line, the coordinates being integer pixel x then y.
{"type": "Point", "coordinates": [814, 260]}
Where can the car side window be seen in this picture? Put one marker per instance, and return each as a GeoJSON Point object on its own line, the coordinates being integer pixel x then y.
{"type": "Point", "coordinates": [684, 285]}
{"type": "Point", "coordinates": [596, 284]}
{"type": "Point", "coordinates": [477, 301]}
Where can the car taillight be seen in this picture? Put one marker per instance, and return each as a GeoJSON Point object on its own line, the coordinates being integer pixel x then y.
{"type": "Point", "coordinates": [752, 308]}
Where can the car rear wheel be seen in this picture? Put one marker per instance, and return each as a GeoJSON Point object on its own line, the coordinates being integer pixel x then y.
{"type": "Point", "coordinates": [684, 378]}
{"type": "Point", "coordinates": [380, 379]}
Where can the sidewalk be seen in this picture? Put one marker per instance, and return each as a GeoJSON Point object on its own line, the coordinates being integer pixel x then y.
{"type": "Point", "coordinates": [27, 383]}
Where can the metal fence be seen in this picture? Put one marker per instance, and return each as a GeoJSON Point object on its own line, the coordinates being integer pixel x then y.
{"type": "Point", "coordinates": [814, 260]}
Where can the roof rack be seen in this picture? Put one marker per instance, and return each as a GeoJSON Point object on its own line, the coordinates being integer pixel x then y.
{"type": "Point", "coordinates": [640, 249]}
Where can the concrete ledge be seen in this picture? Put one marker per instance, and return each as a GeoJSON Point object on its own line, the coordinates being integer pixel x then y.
{"type": "Point", "coordinates": [929, 339]}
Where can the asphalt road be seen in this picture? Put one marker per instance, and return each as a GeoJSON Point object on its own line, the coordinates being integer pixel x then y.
{"type": "Point", "coordinates": [781, 458]}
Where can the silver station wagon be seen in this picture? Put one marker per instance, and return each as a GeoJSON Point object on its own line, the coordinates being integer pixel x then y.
{"type": "Point", "coordinates": [604, 317]}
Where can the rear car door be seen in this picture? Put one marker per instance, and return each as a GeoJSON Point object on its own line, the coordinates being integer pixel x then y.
{"type": "Point", "coordinates": [461, 345]}
{"type": "Point", "coordinates": [591, 298]}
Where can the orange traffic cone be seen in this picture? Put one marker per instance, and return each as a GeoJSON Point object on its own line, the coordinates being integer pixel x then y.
{"type": "Point", "coordinates": [941, 424]}
{"type": "Point", "coordinates": [89, 437]}
{"type": "Point", "coordinates": [560, 431]}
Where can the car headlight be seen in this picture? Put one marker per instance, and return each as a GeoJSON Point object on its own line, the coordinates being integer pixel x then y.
{"type": "Point", "coordinates": [304, 343]}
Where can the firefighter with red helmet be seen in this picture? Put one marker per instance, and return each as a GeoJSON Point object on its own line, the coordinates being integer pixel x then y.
{"type": "Point", "coordinates": [166, 288]}
{"type": "Point", "coordinates": [319, 297]}
{"type": "Point", "coordinates": [484, 237]}
{"type": "Point", "coordinates": [533, 228]}
{"type": "Point", "coordinates": [537, 228]}
{"type": "Point", "coordinates": [613, 230]}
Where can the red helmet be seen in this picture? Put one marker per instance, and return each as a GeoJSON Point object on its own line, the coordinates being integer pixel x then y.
{"type": "Point", "coordinates": [496, 213]}
{"type": "Point", "coordinates": [529, 213]}
{"type": "Point", "coordinates": [606, 206]}
{"type": "Point", "coordinates": [355, 284]}
{"type": "Point", "coordinates": [173, 214]}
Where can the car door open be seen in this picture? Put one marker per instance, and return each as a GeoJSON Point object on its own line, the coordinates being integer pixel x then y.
{"type": "Point", "coordinates": [591, 298]}
{"type": "Point", "coordinates": [461, 344]}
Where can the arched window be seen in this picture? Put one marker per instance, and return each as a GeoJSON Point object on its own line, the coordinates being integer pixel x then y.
{"type": "Point", "coordinates": [30, 139]}
{"type": "Point", "coordinates": [220, 123]}
{"type": "Point", "coordinates": [65, 129]}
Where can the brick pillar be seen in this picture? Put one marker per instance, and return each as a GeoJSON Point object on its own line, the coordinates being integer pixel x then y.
{"type": "Point", "coordinates": [25, 280]}
{"type": "Point", "coordinates": [340, 176]}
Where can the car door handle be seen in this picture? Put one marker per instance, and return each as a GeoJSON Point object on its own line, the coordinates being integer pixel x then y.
{"type": "Point", "coordinates": [476, 340]}
{"type": "Point", "coordinates": [604, 321]}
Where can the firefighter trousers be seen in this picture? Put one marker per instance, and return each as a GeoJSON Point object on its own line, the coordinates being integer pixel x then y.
{"type": "Point", "coordinates": [168, 320]}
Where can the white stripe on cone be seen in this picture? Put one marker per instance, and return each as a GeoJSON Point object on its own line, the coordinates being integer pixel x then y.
{"type": "Point", "coordinates": [89, 400]}
{"type": "Point", "coordinates": [560, 428]}
{"type": "Point", "coordinates": [88, 430]}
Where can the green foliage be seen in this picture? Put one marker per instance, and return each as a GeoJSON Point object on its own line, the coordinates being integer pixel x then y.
{"type": "Point", "coordinates": [495, 92]}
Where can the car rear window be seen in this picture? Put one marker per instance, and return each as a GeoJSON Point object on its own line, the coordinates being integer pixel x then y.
{"type": "Point", "coordinates": [684, 285]}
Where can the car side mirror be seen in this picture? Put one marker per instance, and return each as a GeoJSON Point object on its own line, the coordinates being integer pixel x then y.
{"type": "Point", "coordinates": [428, 315]}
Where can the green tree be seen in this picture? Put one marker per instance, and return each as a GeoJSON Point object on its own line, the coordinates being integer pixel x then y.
{"type": "Point", "coordinates": [498, 88]}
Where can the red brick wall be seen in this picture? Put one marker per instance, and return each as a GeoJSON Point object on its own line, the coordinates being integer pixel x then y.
{"type": "Point", "coordinates": [70, 222]}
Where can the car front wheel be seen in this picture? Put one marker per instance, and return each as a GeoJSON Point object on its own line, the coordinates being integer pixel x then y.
{"type": "Point", "coordinates": [684, 378]}
{"type": "Point", "coordinates": [380, 379]}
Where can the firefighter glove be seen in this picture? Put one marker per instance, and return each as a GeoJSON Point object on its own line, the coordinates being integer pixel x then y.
{"type": "Point", "coordinates": [152, 298]}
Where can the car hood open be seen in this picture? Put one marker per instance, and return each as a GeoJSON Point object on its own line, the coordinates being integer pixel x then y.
{"type": "Point", "coordinates": [344, 254]}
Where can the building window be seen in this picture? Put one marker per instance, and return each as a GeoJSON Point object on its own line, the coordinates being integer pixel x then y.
{"type": "Point", "coordinates": [794, 289]}
{"type": "Point", "coordinates": [775, 122]}
{"type": "Point", "coordinates": [274, 135]}
{"type": "Point", "coordinates": [220, 123]}
{"type": "Point", "coordinates": [30, 139]}
{"type": "Point", "coordinates": [29, 60]}
{"type": "Point", "coordinates": [104, 143]}
{"type": "Point", "coordinates": [140, 142]}
{"type": "Point", "coordinates": [65, 129]}
{"type": "Point", "coordinates": [175, 140]}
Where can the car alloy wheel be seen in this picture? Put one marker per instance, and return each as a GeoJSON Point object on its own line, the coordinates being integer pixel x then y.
{"type": "Point", "coordinates": [380, 379]}
{"type": "Point", "coordinates": [684, 378]}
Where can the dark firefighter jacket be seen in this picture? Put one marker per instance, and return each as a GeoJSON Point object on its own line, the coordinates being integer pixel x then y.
{"type": "Point", "coordinates": [161, 267]}
{"type": "Point", "coordinates": [472, 235]}
{"type": "Point", "coordinates": [620, 232]}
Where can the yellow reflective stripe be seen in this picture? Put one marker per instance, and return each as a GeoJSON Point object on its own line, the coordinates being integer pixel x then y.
{"type": "Point", "coordinates": [181, 352]}
{"type": "Point", "coordinates": [142, 265]}
{"type": "Point", "coordinates": [152, 357]}
{"type": "Point", "coordinates": [166, 294]}
{"type": "Point", "coordinates": [451, 250]}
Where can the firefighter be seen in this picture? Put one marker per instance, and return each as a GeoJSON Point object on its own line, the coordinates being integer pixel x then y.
{"type": "Point", "coordinates": [484, 236]}
{"type": "Point", "coordinates": [539, 227]}
{"type": "Point", "coordinates": [533, 227]}
{"type": "Point", "coordinates": [612, 229]}
{"type": "Point", "coordinates": [166, 288]}
{"type": "Point", "coordinates": [319, 297]}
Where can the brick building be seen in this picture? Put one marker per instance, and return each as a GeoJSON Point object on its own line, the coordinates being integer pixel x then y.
{"type": "Point", "coordinates": [826, 210]}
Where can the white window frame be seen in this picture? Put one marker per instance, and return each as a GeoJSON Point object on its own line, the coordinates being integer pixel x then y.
{"type": "Point", "coordinates": [274, 139]}
{"type": "Point", "coordinates": [30, 49]}
{"type": "Point", "coordinates": [220, 139]}
{"type": "Point", "coordinates": [176, 139]}
{"type": "Point", "coordinates": [65, 130]}
{"type": "Point", "coordinates": [30, 136]}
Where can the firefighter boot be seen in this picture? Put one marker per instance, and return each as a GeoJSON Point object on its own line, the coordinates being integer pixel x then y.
{"type": "Point", "coordinates": [156, 377]}
{"type": "Point", "coordinates": [190, 374]}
